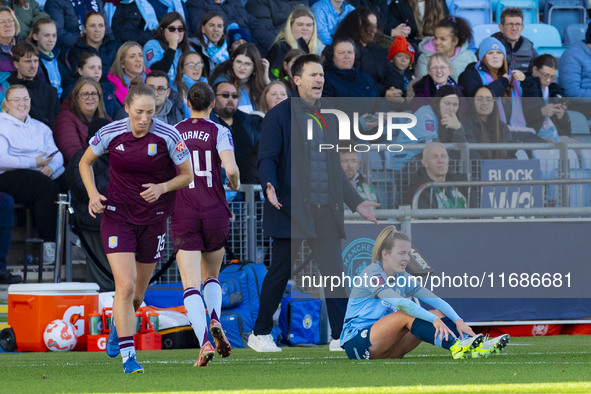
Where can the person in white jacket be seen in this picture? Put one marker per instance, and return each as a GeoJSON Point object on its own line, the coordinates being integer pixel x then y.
{"type": "Point", "coordinates": [31, 166]}
{"type": "Point", "coordinates": [452, 35]}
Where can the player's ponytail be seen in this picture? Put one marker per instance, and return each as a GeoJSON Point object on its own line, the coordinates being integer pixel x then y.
{"type": "Point", "coordinates": [385, 241]}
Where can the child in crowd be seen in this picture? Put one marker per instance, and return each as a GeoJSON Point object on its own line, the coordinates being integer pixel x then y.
{"type": "Point", "coordinates": [402, 56]}
{"type": "Point", "coordinates": [44, 36]}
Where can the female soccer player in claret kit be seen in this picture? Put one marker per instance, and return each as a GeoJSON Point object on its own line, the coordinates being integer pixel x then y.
{"type": "Point", "coordinates": [383, 322]}
{"type": "Point", "coordinates": [143, 155]}
{"type": "Point", "coordinates": [201, 223]}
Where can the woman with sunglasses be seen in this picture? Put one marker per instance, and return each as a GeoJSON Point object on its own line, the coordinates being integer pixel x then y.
{"type": "Point", "coordinates": [170, 41]}
{"type": "Point", "coordinates": [78, 110]}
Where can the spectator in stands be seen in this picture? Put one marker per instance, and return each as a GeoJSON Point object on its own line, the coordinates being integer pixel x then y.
{"type": "Point", "coordinates": [437, 121]}
{"type": "Point", "coordinates": [27, 12]}
{"type": "Point", "coordinates": [341, 79]}
{"type": "Point", "coordinates": [483, 124]}
{"type": "Point", "coordinates": [189, 70]}
{"type": "Point", "coordinates": [520, 50]}
{"type": "Point", "coordinates": [380, 8]}
{"type": "Point", "coordinates": [237, 37]}
{"type": "Point", "coordinates": [94, 39]}
{"type": "Point", "coordinates": [274, 93]}
{"type": "Point", "coordinates": [300, 32]}
{"type": "Point", "coordinates": [90, 65]}
{"type": "Point", "coordinates": [451, 38]}
{"type": "Point", "coordinates": [402, 56]}
{"type": "Point", "coordinates": [45, 104]}
{"type": "Point", "coordinates": [9, 29]}
{"type": "Point", "coordinates": [543, 104]}
{"type": "Point", "coordinates": [245, 130]}
{"type": "Point", "coordinates": [350, 165]}
{"type": "Point", "coordinates": [273, 13]}
{"type": "Point", "coordinates": [84, 105]}
{"type": "Point", "coordinates": [492, 69]}
{"type": "Point", "coordinates": [6, 223]}
{"type": "Point", "coordinates": [362, 26]}
{"type": "Point", "coordinates": [31, 165]}
{"type": "Point", "coordinates": [247, 72]}
{"type": "Point", "coordinates": [439, 70]}
{"type": "Point", "coordinates": [170, 41]}
{"type": "Point", "coordinates": [69, 17]}
{"type": "Point", "coordinates": [169, 109]}
{"type": "Point", "coordinates": [134, 21]}
{"type": "Point", "coordinates": [128, 65]}
{"type": "Point", "coordinates": [211, 42]}
{"type": "Point", "coordinates": [284, 72]}
{"type": "Point", "coordinates": [417, 19]}
{"type": "Point", "coordinates": [88, 228]}
{"type": "Point", "coordinates": [436, 169]}
{"type": "Point", "coordinates": [575, 74]}
{"type": "Point", "coordinates": [328, 14]}
{"type": "Point", "coordinates": [44, 36]}
{"type": "Point", "coordinates": [234, 14]}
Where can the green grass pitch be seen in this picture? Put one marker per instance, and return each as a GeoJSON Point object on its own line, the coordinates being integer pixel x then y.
{"type": "Point", "coordinates": [542, 364]}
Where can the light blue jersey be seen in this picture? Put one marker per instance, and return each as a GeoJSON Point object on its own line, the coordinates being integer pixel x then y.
{"type": "Point", "coordinates": [380, 295]}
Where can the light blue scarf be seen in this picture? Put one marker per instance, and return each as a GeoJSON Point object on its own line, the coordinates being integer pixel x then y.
{"type": "Point", "coordinates": [175, 5]}
{"type": "Point", "coordinates": [147, 12]}
{"type": "Point", "coordinates": [217, 54]}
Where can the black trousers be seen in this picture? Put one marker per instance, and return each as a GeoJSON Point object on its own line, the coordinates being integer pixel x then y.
{"type": "Point", "coordinates": [37, 191]}
{"type": "Point", "coordinates": [326, 250]}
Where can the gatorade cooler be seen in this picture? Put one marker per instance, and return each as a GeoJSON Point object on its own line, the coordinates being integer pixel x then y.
{"type": "Point", "coordinates": [32, 306]}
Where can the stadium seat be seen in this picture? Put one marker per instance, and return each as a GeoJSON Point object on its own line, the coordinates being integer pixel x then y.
{"type": "Point", "coordinates": [529, 7]}
{"type": "Point", "coordinates": [580, 194]}
{"type": "Point", "coordinates": [586, 159]}
{"type": "Point", "coordinates": [480, 32]}
{"type": "Point", "coordinates": [574, 33]}
{"type": "Point", "coordinates": [546, 39]}
{"type": "Point", "coordinates": [562, 13]}
{"type": "Point", "coordinates": [477, 12]}
{"type": "Point", "coordinates": [578, 123]}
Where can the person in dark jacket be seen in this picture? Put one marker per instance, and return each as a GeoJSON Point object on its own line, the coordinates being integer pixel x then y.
{"type": "Point", "coordinates": [131, 24]}
{"type": "Point", "coordinates": [233, 12]}
{"type": "Point", "coordinates": [245, 130]}
{"type": "Point", "coordinates": [300, 32]}
{"type": "Point", "coordinates": [380, 8]}
{"type": "Point", "coordinates": [483, 124]}
{"type": "Point", "coordinates": [88, 228]}
{"type": "Point", "coordinates": [520, 50]}
{"type": "Point", "coordinates": [302, 204]}
{"type": "Point", "coordinates": [361, 25]}
{"type": "Point", "coordinates": [70, 18]}
{"type": "Point", "coordinates": [408, 21]}
{"type": "Point", "coordinates": [435, 169]}
{"type": "Point", "coordinates": [94, 39]}
{"type": "Point", "coordinates": [45, 103]}
{"type": "Point", "coordinates": [341, 79]}
{"type": "Point", "coordinates": [272, 13]}
{"type": "Point", "coordinates": [543, 103]}
{"type": "Point", "coordinates": [211, 42]}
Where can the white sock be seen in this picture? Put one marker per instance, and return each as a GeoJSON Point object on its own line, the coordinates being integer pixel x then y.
{"type": "Point", "coordinates": [127, 348]}
{"type": "Point", "coordinates": [212, 294]}
{"type": "Point", "coordinates": [196, 313]}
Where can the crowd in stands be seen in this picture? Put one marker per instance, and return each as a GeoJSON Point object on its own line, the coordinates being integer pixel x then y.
{"type": "Point", "coordinates": [64, 67]}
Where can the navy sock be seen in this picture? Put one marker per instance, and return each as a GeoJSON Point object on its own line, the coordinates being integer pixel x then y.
{"type": "Point", "coordinates": [452, 326]}
{"type": "Point", "coordinates": [425, 331]}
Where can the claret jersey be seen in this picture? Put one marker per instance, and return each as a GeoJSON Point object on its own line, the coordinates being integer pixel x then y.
{"type": "Point", "coordinates": [137, 161]}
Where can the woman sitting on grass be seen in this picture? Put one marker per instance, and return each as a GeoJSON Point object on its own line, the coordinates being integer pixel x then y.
{"type": "Point", "coordinates": [383, 322]}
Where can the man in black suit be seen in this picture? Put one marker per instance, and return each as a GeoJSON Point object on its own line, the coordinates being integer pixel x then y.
{"type": "Point", "coordinates": [303, 204]}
